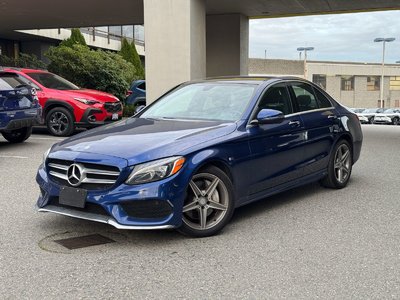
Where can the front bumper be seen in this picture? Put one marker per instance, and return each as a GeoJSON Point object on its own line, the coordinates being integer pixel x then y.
{"type": "Point", "coordinates": [383, 120]}
{"type": "Point", "coordinates": [94, 117]}
{"type": "Point", "coordinates": [122, 206]}
{"type": "Point", "coordinates": [96, 217]}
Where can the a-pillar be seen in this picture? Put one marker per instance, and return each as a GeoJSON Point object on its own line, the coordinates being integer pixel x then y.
{"type": "Point", "coordinates": [227, 40]}
{"type": "Point", "coordinates": [175, 41]}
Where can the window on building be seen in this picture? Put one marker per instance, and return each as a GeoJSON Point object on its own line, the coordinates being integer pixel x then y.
{"type": "Point", "coordinates": [396, 103]}
{"type": "Point", "coordinates": [319, 80]}
{"type": "Point", "coordinates": [127, 31]}
{"type": "Point", "coordinates": [347, 83]}
{"type": "Point", "coordinates": [115, 30]}
{"type": "Point", "coordinates": [395, 83]}
{"type": "Point", "coordinates": [373, 83]}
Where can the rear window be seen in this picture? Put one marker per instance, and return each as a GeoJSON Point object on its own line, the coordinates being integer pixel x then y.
{"type": "Point", "coordinates": [323, 102]}
{"type": "Point", "coordinates": [9, 81]}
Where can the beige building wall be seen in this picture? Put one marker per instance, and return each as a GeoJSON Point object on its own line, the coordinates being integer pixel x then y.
{"type": "Point", "coordinates": [175, 43]}
{"type": "Point", "coordinates": [359, 97]}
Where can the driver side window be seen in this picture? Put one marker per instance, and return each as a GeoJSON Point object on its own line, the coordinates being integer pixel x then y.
{"type": "Point", "coordinates": [277, 97]}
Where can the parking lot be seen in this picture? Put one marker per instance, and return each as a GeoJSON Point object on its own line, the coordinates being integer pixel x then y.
{"type": "Point", "coordinates": [310, 242]}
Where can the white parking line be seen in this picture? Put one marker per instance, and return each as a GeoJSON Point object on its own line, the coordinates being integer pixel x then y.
{"type": "Point", "coordinates": [13, 156]}
{"type": "Point", "coordinates": [43, 138]}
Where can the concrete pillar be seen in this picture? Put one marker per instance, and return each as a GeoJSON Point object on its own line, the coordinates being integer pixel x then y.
{"type": "Point", "coordinates": [227, 39]}
{"type": "Point", "coordinates": [175, 42]}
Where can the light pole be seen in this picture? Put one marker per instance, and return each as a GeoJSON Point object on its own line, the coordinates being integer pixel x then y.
{"type": "Point", "coordinates": [384, 40]}
{"type": "Point", "coordinates": [265, 54]}
{"type": "Point", "coordinates": [305, 49]}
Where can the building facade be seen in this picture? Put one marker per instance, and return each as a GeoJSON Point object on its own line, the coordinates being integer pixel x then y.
{"type": "Point", "coordinates": [38, 41]}
{"type": "Point", "coordinates": [352, 84]}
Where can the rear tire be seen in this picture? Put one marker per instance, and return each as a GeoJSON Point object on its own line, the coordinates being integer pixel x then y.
{"type": "Point", "coordinates": [19, 135]}
{"type": "Point", "coordinates": [60, 122]}
{"type": "Point", "coordinates": [209, 203]}
{"type": "Point", "coordinates": [340, 166]}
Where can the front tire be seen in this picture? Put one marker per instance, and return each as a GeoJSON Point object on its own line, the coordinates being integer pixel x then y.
{"type": "Point", "coordinates": [19, 135]}
{"type": "Point", "coordinates": [395, 121]}
{"type": "Point", "coordinates": [371, 120]}
{"type": "Point", "coordinates": [60, 122]}
{"type": "Point", "coordinates": [209, 203]}
{"type": "Point", "coordinates": [340, 166]}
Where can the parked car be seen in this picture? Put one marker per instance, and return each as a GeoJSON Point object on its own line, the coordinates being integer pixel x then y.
{"type": "Point", "coordinates": [66, 106]}
{"type": "Point", "coordinates": [19, 109]}
{"type": "Point", "coordinates": [137, 93]}
{"type": "Point", "coordinates": [370, 113]}
{"type": "Point", "coordinates": [190, 158]}
{"type": "Point", "coordinates": [388, 116]}
{"type": "Point", "coordinates": [358, 111]}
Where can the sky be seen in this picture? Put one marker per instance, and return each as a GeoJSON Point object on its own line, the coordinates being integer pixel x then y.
{"type": "Point", "coordinates": [342, 37]}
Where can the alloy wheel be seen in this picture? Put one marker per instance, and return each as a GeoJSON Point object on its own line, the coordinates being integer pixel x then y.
{"type": "Point", "coordinates": [342, 165]}
{"type": "Point", "coordinates": [58, 122]}
{"type": "Point", "coordinates": [206, 203]}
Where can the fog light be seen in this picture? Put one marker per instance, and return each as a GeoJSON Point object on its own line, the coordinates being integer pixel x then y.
{"type": "Point", "coordinates": [92, 118]}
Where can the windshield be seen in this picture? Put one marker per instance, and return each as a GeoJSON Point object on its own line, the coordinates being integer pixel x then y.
{"type": "Point", "coordinates": [52, 81]}
{"type": "Point", "coordinates": [203, 101]}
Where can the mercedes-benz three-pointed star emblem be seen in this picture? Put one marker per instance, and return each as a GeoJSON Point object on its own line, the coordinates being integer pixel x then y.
{"type": "Point", "coordinates": [75, 174]}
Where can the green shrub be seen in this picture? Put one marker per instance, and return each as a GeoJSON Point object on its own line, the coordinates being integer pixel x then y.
{"type": "Point", "coordinates": [23, 61]}
{"type": "Point", "coordinates": [129, 53]}
{"type": "Point", "coordinates": [94, 69]}
{"type": "Point", "coordinates": [76, 38]}
{"type": "Point", "coordinates": [129, 110]}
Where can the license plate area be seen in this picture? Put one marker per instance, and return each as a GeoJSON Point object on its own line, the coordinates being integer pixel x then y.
{"type": "Point", "coordinates": [72, 197]}
{"type": "Point", "coordinates": [114, 117]}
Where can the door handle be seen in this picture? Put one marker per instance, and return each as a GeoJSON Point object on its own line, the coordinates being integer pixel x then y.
{"type": "Point", "coordinates": [294, 123]}
{"type": "Point", "coordinates": [332, 117]}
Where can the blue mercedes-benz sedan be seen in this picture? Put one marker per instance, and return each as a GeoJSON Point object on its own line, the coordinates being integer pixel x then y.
{"type": "Point", "coordinates": [198, 152]}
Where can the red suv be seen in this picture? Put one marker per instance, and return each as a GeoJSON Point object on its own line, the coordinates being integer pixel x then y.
{"type": "Point", "coordinates": [66, 106]}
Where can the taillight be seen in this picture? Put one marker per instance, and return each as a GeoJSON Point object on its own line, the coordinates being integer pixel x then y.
{"type": "Point", "coordinates": [128, 93]}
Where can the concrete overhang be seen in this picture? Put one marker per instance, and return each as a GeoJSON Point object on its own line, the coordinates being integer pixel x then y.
{"type": "Point", "coordinates": [41, 14]}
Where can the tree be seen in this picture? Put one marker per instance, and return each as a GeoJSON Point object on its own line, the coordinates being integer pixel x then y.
{"type": "Point", "coordinates": [129, 53]}
{"type": "Point", "coordinates": [93, 69]}
{"type": "Point", "coordinates": [75, 38]}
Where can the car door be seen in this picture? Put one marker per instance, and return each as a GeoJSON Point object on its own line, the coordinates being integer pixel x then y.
{"type": "Point", "coordinates": [276, 149]}
{"type": "Point", "coordinates": [320, 121]}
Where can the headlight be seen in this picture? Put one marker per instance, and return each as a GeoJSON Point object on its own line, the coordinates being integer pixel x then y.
{"type": "Point", "coordinates": [86, 101]}
{"type": "Point", "coordinates": [156, 170]}
{"type": "Point", "coordinates": [46, 154]}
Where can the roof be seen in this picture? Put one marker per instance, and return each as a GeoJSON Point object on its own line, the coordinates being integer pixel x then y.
{"type": "Point", "coordinates": [249, 78]}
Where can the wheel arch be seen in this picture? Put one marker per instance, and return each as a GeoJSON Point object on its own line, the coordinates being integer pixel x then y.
{"type": "Point", "coordinates": [53, 103]}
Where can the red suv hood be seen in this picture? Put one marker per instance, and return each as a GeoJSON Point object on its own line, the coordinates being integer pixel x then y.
{"type": "Point", "coordinates": [90, 95]}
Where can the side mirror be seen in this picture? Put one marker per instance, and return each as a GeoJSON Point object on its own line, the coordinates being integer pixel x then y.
{"type": "Point", "coordinates": [268, 116]}
{"type": "Point", "coordinates": [139, 108]}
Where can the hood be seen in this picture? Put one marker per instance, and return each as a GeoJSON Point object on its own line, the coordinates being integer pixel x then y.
{"type": "Point", "coordinates": [89, 94]}
{"type": "Point", "coordinates": [138, 140]}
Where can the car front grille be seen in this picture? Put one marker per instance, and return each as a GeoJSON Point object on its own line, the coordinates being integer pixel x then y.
{"type": "Point", "coordinates": [92, 176]}
{"type": "Point", "coordinates": [113, 107]}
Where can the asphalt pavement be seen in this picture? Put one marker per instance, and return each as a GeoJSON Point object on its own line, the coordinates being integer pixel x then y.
{"type": "Point", "coordinates": [307, 243]}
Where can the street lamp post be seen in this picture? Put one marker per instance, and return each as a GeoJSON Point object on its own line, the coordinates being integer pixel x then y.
{"type": "Point", "coordinates": [384, 40]}
{"type": "Point", "coordinates": [305, 49]}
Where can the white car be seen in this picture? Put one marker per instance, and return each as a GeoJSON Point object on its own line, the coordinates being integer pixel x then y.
{"type": "Point", "coordinates": [388, 116]}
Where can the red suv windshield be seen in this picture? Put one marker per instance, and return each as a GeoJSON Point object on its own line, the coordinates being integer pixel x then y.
{"type": "Point", "coordinates": [52, 81]}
